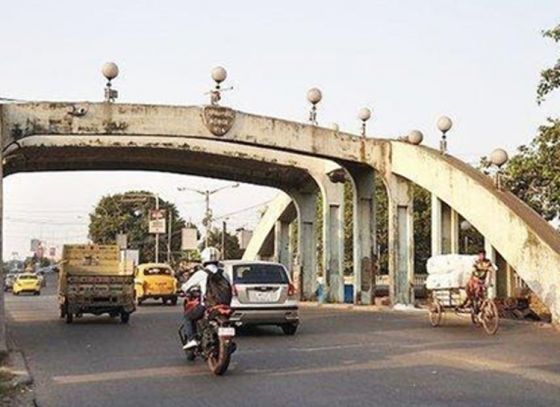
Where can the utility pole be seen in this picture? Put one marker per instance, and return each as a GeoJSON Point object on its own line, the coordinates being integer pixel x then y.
{"type": "Point", "coordinates": [170, 222]}
{"type": "Point", "coordinates": [207, 220]}
{"type": "Point", "coordinates": [224, 230]}
{"type": "Point", "coordinates": [157, 234]}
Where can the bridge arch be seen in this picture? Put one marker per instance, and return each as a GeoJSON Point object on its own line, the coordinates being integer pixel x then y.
{"type": "Point", "coordinates": [525, 240]}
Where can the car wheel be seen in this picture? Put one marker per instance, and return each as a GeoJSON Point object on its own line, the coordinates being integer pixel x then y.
{"type": "Point", "coordinates": [174, 301]}
{"type": "Point", "coordinates": [289, 329]}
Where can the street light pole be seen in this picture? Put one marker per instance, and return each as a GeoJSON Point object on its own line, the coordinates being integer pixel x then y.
{"type": "Point", "coordinates": [207, 220]}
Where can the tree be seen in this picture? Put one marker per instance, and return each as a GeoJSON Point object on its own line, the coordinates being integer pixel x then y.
{"type": "Point", "coordinates": [533, 173]}
{"type": "Point", "coordinates": [233, 251]}
{"type": "Point", "coordinates": [550, 77]}
{"type": "Point", "coordinates": [128, 213]}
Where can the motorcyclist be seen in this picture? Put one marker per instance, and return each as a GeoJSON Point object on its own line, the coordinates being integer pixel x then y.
{"type": "Point", "coordinates": [195, 307]}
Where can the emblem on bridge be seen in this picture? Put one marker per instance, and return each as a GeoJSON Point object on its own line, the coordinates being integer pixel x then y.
{"type": "Point", "coordinates": [218, 119]}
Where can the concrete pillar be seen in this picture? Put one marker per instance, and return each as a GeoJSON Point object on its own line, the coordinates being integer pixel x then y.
{"type": "Point", "coordinates": [333, 239]}
{"type": "Point", "coordinates": [436, 226]}
{"type": "Point", "coordinates": [282, 243]}
{"type": "Point", "coordinates": [364, 236]}
{"type": "Point", "coordinates": [401, 241]}
{"type": "Point", "coordinates": [305, 270]}
{"type": "Point", "coordinates": [445, 228]}
{"type": "Point", "coordinates": [491, 254]}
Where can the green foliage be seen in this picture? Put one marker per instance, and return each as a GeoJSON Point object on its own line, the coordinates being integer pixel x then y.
{"type": "Point", "coordinates": [233, 251]}
{"type": "Point", "coordinates": [128, 213]}
{"type": "Point", "coordinates": [550, 77]}
{"type": "Point", "coordinates": [533, 174]}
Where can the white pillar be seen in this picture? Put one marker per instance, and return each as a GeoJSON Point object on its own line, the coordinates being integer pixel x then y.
{"type": "Point", "coordinates": [333, 239]}
{"type": "Point", "coordinates": [305, 275]}
{"type": "Point", "coordinates": [436, 226]}
{"type": "Point", "coordinates": [282, 243]}
{"type": "Point", "coordinates": [401, 241]}
{"type": "Point", "coordinates": [491, 255]}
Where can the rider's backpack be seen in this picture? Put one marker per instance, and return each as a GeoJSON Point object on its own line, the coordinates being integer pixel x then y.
{"type": "Point", "coordinates": [218, 289]}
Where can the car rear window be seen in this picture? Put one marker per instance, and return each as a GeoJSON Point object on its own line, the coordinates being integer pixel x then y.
{"type": "Point", "coordinates": [157, 271]}
{"type": "Point", "coordinates": [259, 274]}
{"type": "Point", "coordinates": [28, 277]}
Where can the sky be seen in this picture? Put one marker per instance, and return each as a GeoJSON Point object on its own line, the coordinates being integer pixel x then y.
{"type": "Point", "coordinates": [409, 61]}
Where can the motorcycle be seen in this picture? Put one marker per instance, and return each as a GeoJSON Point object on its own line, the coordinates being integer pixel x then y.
{"type": "Point", "coordinates": [214, 334]}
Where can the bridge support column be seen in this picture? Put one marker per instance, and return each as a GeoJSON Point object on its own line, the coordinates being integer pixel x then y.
{"type": "Point", "coordinates": [305, 270]}
{"type": "Point", "coordinates": [491, 254]}
{"type": "Point", "coordinates": [333, 239]}
{"type": "Point", "coordinates": [401, 241]}
{"type": "Point", "coordinates": [282, 243]}
{"type": "Point", "coordinates": [364, 236]}
{"type": "Point", "coordinates": [445, 228]}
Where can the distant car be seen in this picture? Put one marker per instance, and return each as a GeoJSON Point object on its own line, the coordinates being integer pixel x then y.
{"type": "Point", "coordinates": [27, 283]}
{"type": "Point", "coordinates": [9, 281]}
{"type": "Point", "coordinates": [263, 294]}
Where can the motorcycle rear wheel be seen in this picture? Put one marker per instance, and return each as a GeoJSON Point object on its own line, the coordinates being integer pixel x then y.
{"type": "Point", "coordinates": [219, 363]}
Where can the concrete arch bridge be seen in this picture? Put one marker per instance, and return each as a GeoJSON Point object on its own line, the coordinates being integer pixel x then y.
{"type": "Point", "coordinates": [302, 160]}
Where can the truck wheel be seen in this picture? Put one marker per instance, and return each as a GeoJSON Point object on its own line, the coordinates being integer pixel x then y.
{"type": "Point", "coordinates": [174, 301]}
{"type": "Point", "coordinates": [125, 317]}
{"type": "Point", "coordinates": [69, 317]}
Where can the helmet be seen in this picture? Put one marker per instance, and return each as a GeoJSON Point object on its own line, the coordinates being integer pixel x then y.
{"type": "Point", "coordinates": [210, 255]}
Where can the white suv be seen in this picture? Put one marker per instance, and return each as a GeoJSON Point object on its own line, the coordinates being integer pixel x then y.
{"type": "Point", "coordinates": [263, 294]}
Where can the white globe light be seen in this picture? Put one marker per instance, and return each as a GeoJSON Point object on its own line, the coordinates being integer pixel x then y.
{"type": "Point", "coordinates": [364, 114]}
{"type": "Point", "coordinates": [110, 70]}
{"type": "Point", "coordinates": [465, 225]}
{"type": "Point", "coordinates": [444, 123]}
{"type": "Point", "coordinates": [314, 96]}
{"type": "Point", "coordinates": [499, 157]}
{"type": "Point", "coordinates": [219, 74]}
{"type": "Point", "coordinates": [415, 137]}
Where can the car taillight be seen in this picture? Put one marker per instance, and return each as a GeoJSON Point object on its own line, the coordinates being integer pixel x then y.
{"type": "Point", "coordinates": [291, 290]}
{"type": "Point", "coordinates": [234, 290]}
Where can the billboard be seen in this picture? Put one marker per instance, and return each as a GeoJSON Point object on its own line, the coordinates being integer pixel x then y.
{"type": "Point", "coordinates": [157, 221]}
{"type": "Point", "coordinates": [122, 241]}
{"type": "Point", "coordinates": [189, 240]}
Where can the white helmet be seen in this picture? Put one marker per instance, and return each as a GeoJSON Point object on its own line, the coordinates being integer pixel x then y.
{"type": "Point", "coordinates": [210, 255]}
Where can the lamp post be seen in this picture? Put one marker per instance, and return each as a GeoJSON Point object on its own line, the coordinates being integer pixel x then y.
{"type": "Point", "coordinates": [314, 96]}
{"type": "Point", "coordinates": [499, 157]}
{"type": "Point", "coordinates": [207, 220]}
{"type": "Point", "coordinates": [465, 226]}
{"type": "Point", "coordinates": [364, 115]}
{"type": "Point", "coordinates": [444, 124]}
{"type": "Point", "coordinates": [110, 71]}
{"type": "Point", "coordinates": [218, 74]}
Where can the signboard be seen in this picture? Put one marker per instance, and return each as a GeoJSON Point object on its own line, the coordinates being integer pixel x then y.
{"type": "Point", "coordinates": [122, 241]}
{"type": "Point", "coordinates": [157, 221]}
{"type": "Point", "coordinates": [189, 240]}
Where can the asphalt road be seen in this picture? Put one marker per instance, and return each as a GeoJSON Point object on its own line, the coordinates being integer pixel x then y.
{"type": "Point", "coordinates": [338, 358]}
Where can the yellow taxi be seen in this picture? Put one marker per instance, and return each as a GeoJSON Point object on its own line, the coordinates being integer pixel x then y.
{"type": "Point", "coordinates": [155, 281]}
{"type": "Point", "coordinates": [27, 283]}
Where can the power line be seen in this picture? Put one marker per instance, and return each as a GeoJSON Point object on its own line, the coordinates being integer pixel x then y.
{"type": "Point", "coordinates": [243, 210]}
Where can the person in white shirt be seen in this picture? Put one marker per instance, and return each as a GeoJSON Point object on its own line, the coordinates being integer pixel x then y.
{"type": "Point", "coordinates": [195, 308]}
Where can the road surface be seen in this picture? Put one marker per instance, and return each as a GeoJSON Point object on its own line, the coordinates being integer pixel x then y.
{"type": "Point", "coordinates": [338, 358]}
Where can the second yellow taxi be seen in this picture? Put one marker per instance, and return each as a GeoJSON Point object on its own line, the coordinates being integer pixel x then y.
{"type": "Point", "coordinates": [27, 283]}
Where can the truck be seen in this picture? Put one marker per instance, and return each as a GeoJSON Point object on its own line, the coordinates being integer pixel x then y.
{"type": "Point", "coordinates": [92, 281]}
